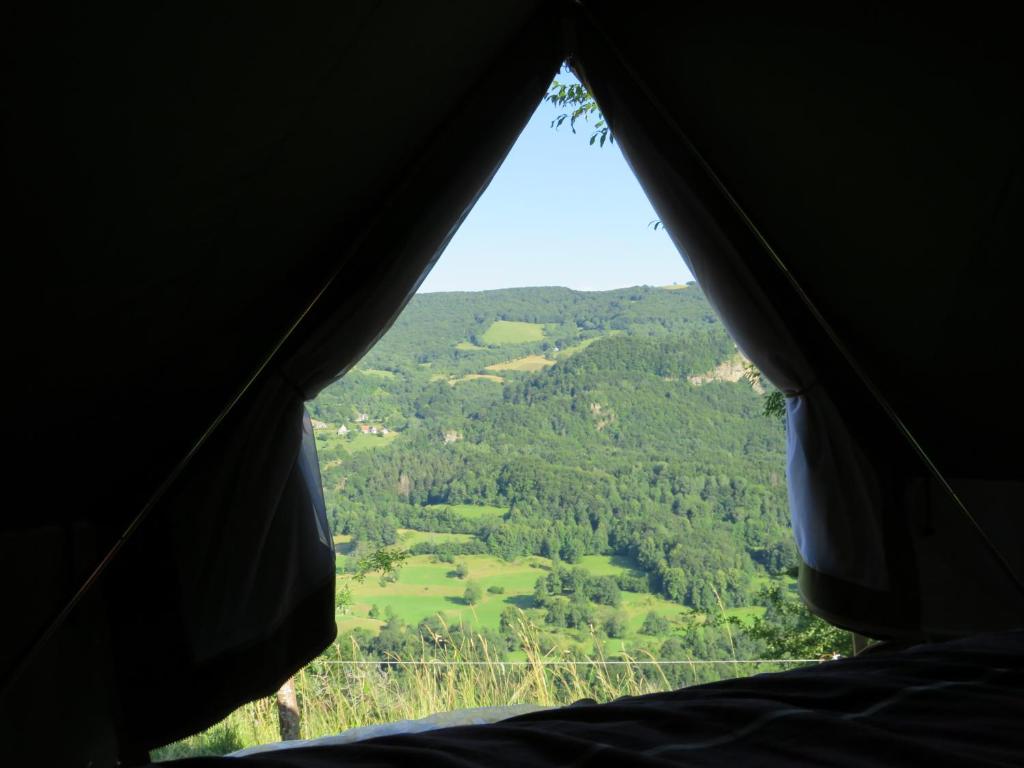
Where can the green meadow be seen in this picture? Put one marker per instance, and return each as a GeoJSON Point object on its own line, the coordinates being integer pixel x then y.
{"type": "Point", "coordinates": [427, 587]}
{"type": "Point", "coordinates": [471, 511]}
{"type": "Point", "coordinates": [528, 364]}
{"type": "Point", "coordinates": [512, 332]}
{"type": "Point", "coordinates": [354, 443]}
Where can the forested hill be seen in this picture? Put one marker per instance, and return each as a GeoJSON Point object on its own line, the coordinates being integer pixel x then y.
{"type": "Point", "coordinates": [451, 329]}
{"type": "Point", "coordinates": [561, 423]}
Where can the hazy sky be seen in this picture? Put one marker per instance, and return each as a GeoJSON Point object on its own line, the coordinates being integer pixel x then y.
{"type": "Point", "coordinates": [559, 212]}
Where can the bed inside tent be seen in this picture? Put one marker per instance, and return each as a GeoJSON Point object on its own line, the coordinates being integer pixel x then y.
{"type": "Point", "coordinates": [195, 192]}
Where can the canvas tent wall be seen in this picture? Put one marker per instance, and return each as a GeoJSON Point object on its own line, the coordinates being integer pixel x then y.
{"type": "Point", "coordinates": [196, 193]}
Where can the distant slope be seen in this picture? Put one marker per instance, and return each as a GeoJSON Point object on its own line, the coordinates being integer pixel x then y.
{"type": "Point", "coordinates": [448, 329]}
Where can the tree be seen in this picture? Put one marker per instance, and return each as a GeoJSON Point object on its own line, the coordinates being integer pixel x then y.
{"type": "Point", "coordinates": [473, 593]}
{"type": "Point", "coordinates": [511, 624]}
{"type": "Point", "coordinates": [462, 570]}
{"type": "Point", "coordinates": [557, 613]}
{"type": "Point", "coordinates": [655, 625]}
{"type": "Point", "coordinates": [789, 631]}
{"type": "Point", "coordinates": [571, 551]}
{"type": "Point", "coordinates": [605, 590]}
{"type": "Point", "coordinates": [617, 625]}
{"type": "Point", "coordinates": [578, 612]}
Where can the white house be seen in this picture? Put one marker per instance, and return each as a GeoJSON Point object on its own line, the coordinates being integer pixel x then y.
{"type": "Point", "coordinates": [342, 430]}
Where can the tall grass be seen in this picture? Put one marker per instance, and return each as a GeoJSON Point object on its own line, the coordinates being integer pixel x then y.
{"type": "Point", "coordinates": [344, 688]}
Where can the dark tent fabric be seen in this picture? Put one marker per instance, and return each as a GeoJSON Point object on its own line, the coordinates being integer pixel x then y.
{"type": "Point", "coordinates": [214, 213]}
{"type": "Point", "coordinates": [756, 161]}
{"type": "Point", "coordinates": [202, 199]}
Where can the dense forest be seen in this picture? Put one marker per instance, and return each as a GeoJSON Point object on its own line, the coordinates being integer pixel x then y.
{"type": "Point", "coordinates": [562, 425]}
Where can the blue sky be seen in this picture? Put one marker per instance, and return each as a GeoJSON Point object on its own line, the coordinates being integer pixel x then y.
{"type": "Point", "coordinates": [559, 212]}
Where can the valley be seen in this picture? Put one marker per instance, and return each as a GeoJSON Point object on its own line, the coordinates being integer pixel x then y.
{"type": "Point", "coordinates": [591, 460]}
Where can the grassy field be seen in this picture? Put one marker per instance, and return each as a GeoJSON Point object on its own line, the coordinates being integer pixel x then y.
{"type": "Point", "coordinates": [475, 376]}
{"type": "Point", "coordinates": [511, 332]}
{"type": "Point", "coordinates": [427, 587]}
{"type": "Point", "coordinates": [472, 511]}
{"type": "Point", "coordinates": [333, 447]}
{"type": "Point", "coordinates": [529, 364]}
{"type": "Point", "coordinates": [566, 352]}
{"type": "Point", "coordinates": [379, 373]}
{"type": "Point", "coordinates": [407, 537]}
{"type": "Point", "coordinates": [467, 346]}
{"type": "Point", "coordinates": [608, 565]}
{"type": "Point", "coordinates": [453, 380]}
{"type": "Point", "coordinates": [562, 354]}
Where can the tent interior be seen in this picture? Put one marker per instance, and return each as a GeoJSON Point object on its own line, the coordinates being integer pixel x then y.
{"type": "Point", "coordinates": [195, 193]}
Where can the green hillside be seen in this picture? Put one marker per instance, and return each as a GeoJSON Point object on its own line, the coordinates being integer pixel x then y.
{"type": "Point", "coordinates": [589, 483]}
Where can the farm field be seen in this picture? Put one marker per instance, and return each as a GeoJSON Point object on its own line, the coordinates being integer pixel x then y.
{"type": "Point", "coordinates": [471, 511]}
{"type": "Point", "coordinates": [332, 446]}
{"type": "Point", "coordinates": [360, 442]}
{"type": "Point", "coordinates": [528, 364]}
{"type": "Point", "coordinates": [512, 332]}
{"type": "Point", "coordinates": [380, 374]}
{"type": "Point", "coordinates": [408, 537]}
{"type": "Point", "coordinates": [571, 350]}
{"type": "Point", "coordinates": [427, 587]}
{"type": "Point", "coordinates": [475, 376]}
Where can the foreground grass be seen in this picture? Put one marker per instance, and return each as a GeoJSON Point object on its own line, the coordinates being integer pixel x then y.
{"type": "Point", "coordinates": [344, 689]}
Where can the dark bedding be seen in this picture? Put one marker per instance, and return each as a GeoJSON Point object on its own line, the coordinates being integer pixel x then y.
{"type": "Point", "coordinates": [954, 703]}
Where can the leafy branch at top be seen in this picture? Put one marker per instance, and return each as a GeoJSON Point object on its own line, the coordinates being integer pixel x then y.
{"type": "Point", "coordinates": [575, 98]}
